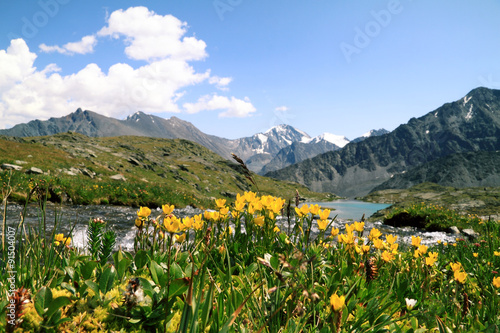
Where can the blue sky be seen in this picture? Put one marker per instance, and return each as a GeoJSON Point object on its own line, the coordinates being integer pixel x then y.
{"type": "Point", "coordinates": [237, 67]}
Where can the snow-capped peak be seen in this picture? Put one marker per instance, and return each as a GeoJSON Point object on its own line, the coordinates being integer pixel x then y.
{"type": "Point", "coordinates": [338, 140]}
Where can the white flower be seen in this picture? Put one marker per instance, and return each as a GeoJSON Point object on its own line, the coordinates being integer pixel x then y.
{"type": "Point", "coordinates": [410, 303]}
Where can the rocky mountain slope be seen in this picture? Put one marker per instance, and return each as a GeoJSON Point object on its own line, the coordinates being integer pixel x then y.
{"type": "Point", "coordinates": [129, 170]}
{"type": "Point", "coordinates": [257, 151]}
{"type": "Point", "coordinates": [469, 124]}
{"type": "Point", "coordinates": [471, 169]}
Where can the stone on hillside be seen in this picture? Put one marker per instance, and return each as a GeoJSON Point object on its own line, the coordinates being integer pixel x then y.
{"type": "Point", "coordinates": [453, 230]}
{"type": "Point", "coordinates": [34, 171]}
{"type": "Point", "coordinates": [118, 177]}
{"type": "Point", "coordinates": [134, 161]}
{"type": "Point", "coordinates": [470, 234]}
{"type": "Point", "coordinates": [88, 173]}
{"type": "Point", "coordinates": [21, 162]}
{"type": "Point", "coordinates": [7, 166]}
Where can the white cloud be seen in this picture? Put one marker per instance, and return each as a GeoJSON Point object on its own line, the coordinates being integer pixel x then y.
{"type": "Point", "coordinates": [150, 36]}
{"type": "Point", "coordinates": [28, 93]}
{"type": "Point", "coordinates": [84, 46]}
{"type": "Point", "coordinates": [282, 108]}
{"type": "Point", "coordinates": [220, 82]}
{"type": "Point", "coordinates": [233, 107]}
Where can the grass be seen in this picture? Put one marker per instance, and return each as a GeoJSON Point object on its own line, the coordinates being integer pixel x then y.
{"type": "Point", "coordinates": [232, 270]}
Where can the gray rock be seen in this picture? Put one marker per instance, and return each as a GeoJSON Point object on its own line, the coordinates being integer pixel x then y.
{"type": "Point", "coordinates": [21, 162]}
{"type": "Point", "coordinates": [7, 166]}
{"type": "Point", "coordinates": [134, 161]}
{"type": "Point", "coordinates": [34, 171]}
{"type": "Point", "coordinates": [453, 230]}
{"type": "Point", "coordinates": [87, 172]}
{"type": "Point", "coordinates": [470, 234]}
{"type": "Point", "coordinates": [118, 177]}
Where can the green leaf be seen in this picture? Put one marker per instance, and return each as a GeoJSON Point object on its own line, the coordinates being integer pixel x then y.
{"type": "Point", "coordinates": [57, 304]}
{"type": "Point", "coordinates": [42, 300]}
{"type": "Point", "coordinates": [156, 272]}
{"type": "Point", "coordinates": [176, 271]}
{"type": "Point", "coordinates": [275, 263]}
{"type": "Point", "coordinates": [68, 287]}
{"type": "Point", "coordinates": [147, 287]}
{"type": "Point", "coordinates": [87, 269]}
{"type": "Point", "coordinates": [141, 258]}
{"type": "Point", "coordinates": [93, 286]}
{"type": "Point", "coordinates": [177, 287]}
{"type": "Point", "coordinates": [252, 268]}
{"type": "Point", "coordinates": [107, 279]}
{"type": "Point", "coordinates": [122, 267]}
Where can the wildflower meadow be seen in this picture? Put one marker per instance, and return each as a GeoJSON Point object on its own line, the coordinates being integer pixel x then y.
{"type": "Point", "coordinates": [235, 269]}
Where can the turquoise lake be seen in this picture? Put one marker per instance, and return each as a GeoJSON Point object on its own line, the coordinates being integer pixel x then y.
{"type": "Point", "coordinates": [351, 209]}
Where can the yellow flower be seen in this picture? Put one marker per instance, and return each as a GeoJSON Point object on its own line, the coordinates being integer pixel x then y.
{"type": "Point", "coordinates": [239, 205]}
{"type": "Point", "coordinates": [346, 238]}
{"type": "Point", "coordinates": [139, 222]}
{"type": "Point", "coordinates": [431, 259]}
{"type": "Point", "coordinates": [415, 241]}
{"type": "Point", "coordinates": [222, 249]}
{"type": "Point", "coordinates": [254, 206]}
{"type": "Point", "coordinates": [391, 239]}
{"type": "Point", "coordinates": [58, 239]}
{"type": "Point", "coordinates": [475, 255]}
{"type": "Point", "coordinates": [335, 232]}
{"type": "Point", "coordinates": [322, 224]}
{"type": "Point", "coordinates": [349, 228]}
{"type": "Point", "coordinates": [143, 212]}
{"type": "Point", "coordinates": [171, 224]}
{"type": "Point", "coordinates": [365, 248]}
{"type": "Point", "coordinates": [337, 302]}
{"type": "Point", "coordinates": [378, 243]}
{"type": "Point", "coordinates": [359, 226]}
{"type": "Point", "coordinates": [456, 266]}
{"type": "Point", "coordinates": [496, 282]}
{"type": "Point", "coordinates": [198, 222]}
{"type": "Point", "coordinates": [374, 233]}
{"type": "Point", "coordinates": [387, 256]}
{"type": "Point", "coordinates": [250, 196]}
{"type": "Point", "coordinates": [324, 214]}
{"type": "Point", "coordinates": [394, 247]}
{"type": "Point", "coordinates": [496, 253]}
{"type": "Point", "coordinates": [167, 209]}
{"type": "Point", "coordinates": [276, 229]}
{"type": "Point", "coordinates": [417, 253]}
{"type": "Point", "coordinates": [314, 209]}
{"type": "Point", "coordinates": [220, 203]}
{"type": "Point", "coordinates": [67, 241]}
{"type": "Point", "coordinates": [259, 220]}
{"type": "Point", "coordinates": [180, 238]}
{"type": "Point", "coordinates": [302, 211]}
{"type": "Point", "coordinates": [422, 249]}
{"type": "Point", "coordinates": [187, 222]}
{"type": "Point", "coordinates": [460, 276]}
{"type": "Point", "coordinates": [223, 211]}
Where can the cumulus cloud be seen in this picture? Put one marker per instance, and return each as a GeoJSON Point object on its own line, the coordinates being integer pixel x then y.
{"type": "Point", "coordinates": [220, 82]}
{"type": "Point", "coordinates": [162, 36]}
{"type": "Point", "coordinates": [233, 107]}
{"type": "Point", "coordinates": [28, 93]}
{"type": "Point", "coordinates": [84, 46]}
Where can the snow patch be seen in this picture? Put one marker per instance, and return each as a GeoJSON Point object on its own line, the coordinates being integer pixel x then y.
{"type": "Point", "coordinates": [466, 100]}
{"type": "Point", "coordinates": [263, 138]}
{"type": "Point", "coordinates": [338, 140]}
{"type": "Point", "coordinates": [470, 113]}
{"type": "Point", "coordinates": [427, 132]}
{"type": "Point", "coordinates": [436, 114]}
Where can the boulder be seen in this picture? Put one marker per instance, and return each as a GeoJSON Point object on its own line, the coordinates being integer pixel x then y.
{"type": "Point", "coordinates": [118, 177]}
{"type": "Point", "coordinates": [453, 230]}
{"type": "Point", "coordinates": [7, 166]}
{"type": "Point", "coordinates": [34, 171]}
{"type": "Point", "coordinates": [470, 234]}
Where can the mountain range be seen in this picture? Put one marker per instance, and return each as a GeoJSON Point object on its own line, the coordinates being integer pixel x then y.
{"type": "Point", "coordinates": [469, 125]}
{"type": "Point", "coordinates": [278, 147]}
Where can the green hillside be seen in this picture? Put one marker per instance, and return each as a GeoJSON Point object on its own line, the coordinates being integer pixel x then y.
{"type": "Point", "coordinates": [79, 169]}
